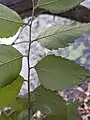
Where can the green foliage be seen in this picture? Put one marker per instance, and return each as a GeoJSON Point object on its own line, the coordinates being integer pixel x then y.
{"type": "Point", "coordinates": [23, 115]}
{"type": "Point", "coordinates": [59, 36]}
{"type": "Point", "coordinates": [72, 111]}
{"type": "Point", "coordinates": [57, 6]}
{"type": "Point", "coordinates": [9, 93]}
{"type": "Point", "coordinates": [10, 22]}
{"type": "Point", "coordinates": [48, 102]}
{"type": "Point", "coordinates": [10, 64]}
{"type": "Point", "coordinates": [55, 73]}
{"type": "Point", "coordinates": [52, 105]}
{"type": "Point", "coordinates": [20, 103]}
{"type": "Point", "coordinates": [4, 117]}
{"type": "Point", "coordinates": [58, 73]}
{"type": "Point", "coordinates": [18, 109]}
{"type": "Point", "coordinates": [56, 117]}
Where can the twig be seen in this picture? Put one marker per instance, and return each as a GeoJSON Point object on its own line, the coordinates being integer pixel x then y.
{"type": "Point", "coordinates": [21, 42]}
{"type": "Point", "coordinates": [28, 59]}
{"type": "Point", "coordinates": [25, 56]}
{"type": "Point", "coordinates": [18, 34]}
{"type": "Point", "coordinates": [31, 68]}
{"type": "Point", "coordinates": [24, 25]}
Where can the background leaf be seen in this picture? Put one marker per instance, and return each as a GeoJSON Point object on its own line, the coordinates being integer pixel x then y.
{"type": "Point", "coordinates": [57, 6]}
{"type": "Point", "coordinates": [10, 22]}
{"type": "Point", "coordinates": [58, 73]}
{"type": "Point", "coordinates": [72, 111]}
{"type": "Point", "coordinates": [59, 36]}
{"type": "Point", "coordinates": [20, 103]}
{"type": "Point", "coordinates": [56, 117]}
{"type": "Point", "coordinates": [9, 93]}
{"type": "Point", "coordinates": [48, 102]}
{"type": "Point", "coordinates": [4, 117]}
{"type": "Point", "coordinates": [22, 115]}
{"type": "Point", "coordinates": [10, 64]}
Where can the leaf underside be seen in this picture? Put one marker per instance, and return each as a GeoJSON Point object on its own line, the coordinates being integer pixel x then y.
{"type": "Point", "coordinates": [60, 36]}
{"type": "Point", "coordinates": [57, 6]}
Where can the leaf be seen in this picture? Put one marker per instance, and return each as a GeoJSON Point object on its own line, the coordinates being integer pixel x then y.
{"type": "Point", "coordinates": [23, 115]}
{"type": "Point", "coordinates": [57, 6]}
{"type": "Point", "coordinates": [13, 115]}
{"type": "Point", "coordinates": [4, 117]}
{"type": "Point", "coordinates": [56, 117]}
{"type": "Point", "coordinates": [57, 73]}
{"type": "Point", "coordinates": [59, 36]}
{"type": "Point", "coordinates": [10, 22]}
{"type": "Point", "coordinates": [20, 107]}
{"type": "Point", "coordinates": [48, 102]}
{"type": "Point", "coordinates": [72, 111]}
{"type": "Point", "coordinates": [9, 93]}
{"type": "Point", "coordinates": [10, 64]}
{"type": "Point", "coordinates": [20, 104]}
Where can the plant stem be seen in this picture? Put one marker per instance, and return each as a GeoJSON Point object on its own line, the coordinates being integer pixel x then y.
{"type": "Point", "coordinates": [18, 35]}
{"type": "Point", "coordinates": [28, 59]}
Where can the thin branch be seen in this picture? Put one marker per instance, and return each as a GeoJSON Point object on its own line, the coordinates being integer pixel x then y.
{"type": "Point", "coordinates": [18, 34]}
{"type": "Point", "coordinates": [25, 80]}
{"type": "Point", "coordinates": [25, 56]}
{"type": "Point", "coordinates": [31, 68]}
{"type": "Point", "coordinates": [21, 42]}
{"type": "Point", "coordinates": [28, 59]}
